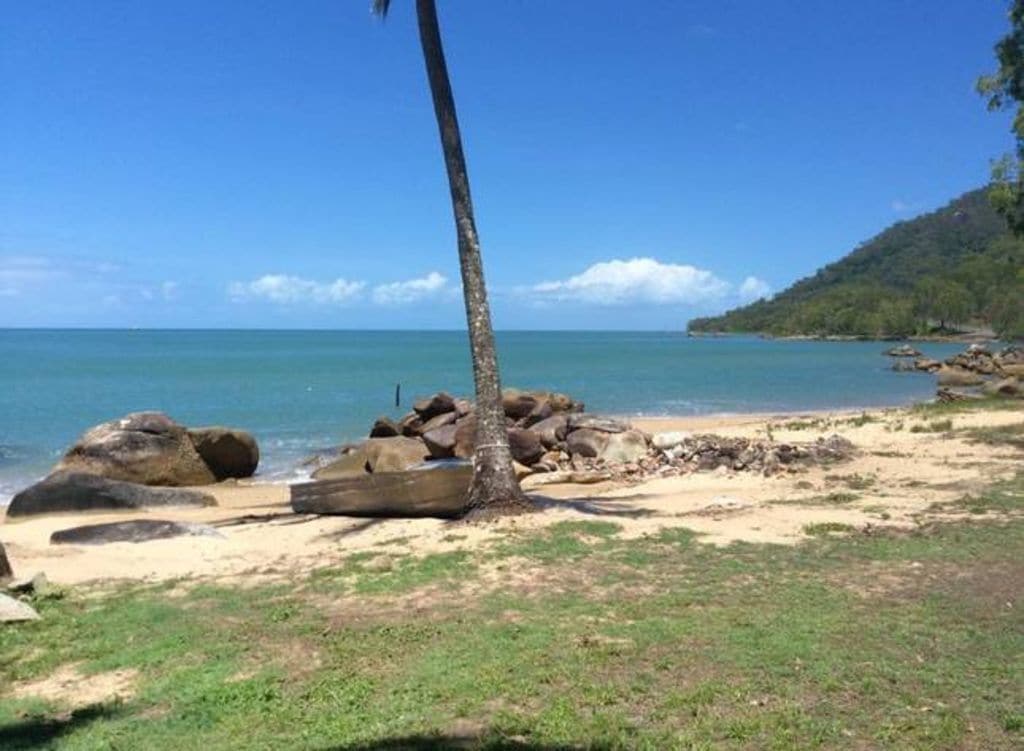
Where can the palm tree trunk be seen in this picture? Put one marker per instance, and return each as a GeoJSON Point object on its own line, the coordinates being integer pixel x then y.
{"type": "Point", "coordinates": [494, 489]}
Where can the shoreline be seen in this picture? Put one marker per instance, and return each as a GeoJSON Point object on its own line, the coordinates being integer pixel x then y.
{"type": "Point", "coordinates": [903, 466]}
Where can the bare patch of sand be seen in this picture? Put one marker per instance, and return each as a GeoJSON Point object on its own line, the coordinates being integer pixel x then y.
{"type": "Point", "coordinates": [896, 477]}
{"type": "Point", "coordinates": [68, 687]}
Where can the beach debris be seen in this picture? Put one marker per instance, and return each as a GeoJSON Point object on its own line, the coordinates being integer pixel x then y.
{"type": "Point", "coordinates": [135, 531]}
{"type": "Point", "coordinates": [79, 491]}
{"type": "Point", "coordinates": [16, 611]}
{"type": "Point", "coordinates": [149, 448]}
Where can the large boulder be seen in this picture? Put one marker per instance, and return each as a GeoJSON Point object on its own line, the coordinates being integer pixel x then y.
{"type": "Point", "coordinates": [80, 491]}
{"type": "Point", "coordinates": [144, 447]}
{"type": "Point", "coordinates": [438, 421]}
{"type": "Point", "coordinates": [957, 376]}
{"type": "Point", "coordinates": [551, 431]}
{"type": "Point", "coordinates": [525, 445]}
{"type": "Point", "coordinates": [434, 405]}
{"type": "Point", "coordinates": [1013, 369]}
{"type": "Point", "coordinates": [229, 453]}
{"type": "Point", "coordinates": [5, 565]}
{"type": "Point", "coordinates": [927, 364]}
{"type": "Point", "coordinates": [587, 442]}
{"type": "Point", "coordinates": [395, 454]}
{"type": "Point", "coordinates": [596, 422]}
{"type": "Point", "coordinates": [441, 441]}
{"type": "Point", "coordinates": [384, 427]}
{"type": "Point", "coordinates": [1010, 387]}
{"type": "Point", "coordinates": [351, 463]}
{"type": "Point", "coordinates": [623, 448]}
{"type": "Point", "coordinates": [465, 437]}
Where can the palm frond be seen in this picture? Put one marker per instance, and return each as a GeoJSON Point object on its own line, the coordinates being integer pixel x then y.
{"type": "Point", "coordinates": [380, 7]}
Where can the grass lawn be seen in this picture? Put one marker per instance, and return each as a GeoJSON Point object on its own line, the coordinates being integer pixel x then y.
{"type": "Point", "coordinates": [568, 638]}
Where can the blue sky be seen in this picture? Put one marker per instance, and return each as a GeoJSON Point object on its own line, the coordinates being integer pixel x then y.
{"type": "Point", "coordinates": [269, 164]}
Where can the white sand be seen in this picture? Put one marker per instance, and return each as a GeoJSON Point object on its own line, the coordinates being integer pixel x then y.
{"type": "Point", "coordinates": [262, 539]}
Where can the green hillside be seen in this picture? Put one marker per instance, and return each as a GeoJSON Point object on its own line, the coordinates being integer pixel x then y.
{"type": "Point", "coordinates": [950, 268]}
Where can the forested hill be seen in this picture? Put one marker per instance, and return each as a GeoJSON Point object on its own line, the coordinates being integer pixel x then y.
{"type": "Point", "coordinates": [955, 266]}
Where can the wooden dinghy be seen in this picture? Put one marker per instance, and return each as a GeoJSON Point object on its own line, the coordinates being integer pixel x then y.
{"type": "Point", "coordinates": [437, 492]}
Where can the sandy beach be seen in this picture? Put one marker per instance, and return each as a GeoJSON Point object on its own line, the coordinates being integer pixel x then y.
{"type": "Point", "coordinates": [901, 469]}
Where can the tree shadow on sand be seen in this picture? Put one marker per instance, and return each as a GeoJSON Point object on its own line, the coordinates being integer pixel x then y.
{"type": "Point", "coordinates": [40, 731]}
{"type": "Point", "coordinates": [621, 506]}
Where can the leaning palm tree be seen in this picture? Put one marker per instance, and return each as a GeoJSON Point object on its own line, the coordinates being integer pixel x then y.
{"type": "Point", "coordinates": [495, 489]}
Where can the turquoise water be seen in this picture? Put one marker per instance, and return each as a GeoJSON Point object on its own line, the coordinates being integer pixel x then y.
{"type": "Point", "coordinates": [303, 390]}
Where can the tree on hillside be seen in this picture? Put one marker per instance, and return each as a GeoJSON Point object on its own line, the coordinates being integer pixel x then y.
{"type": "Point", "coordinates": [495, 489]}
{"type": "Point", "coordinates": [1003, 90]}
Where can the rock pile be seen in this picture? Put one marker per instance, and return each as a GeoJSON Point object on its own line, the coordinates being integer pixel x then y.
{"type": "Point", "coordinates": [551, 433]}
{"type": "Point", "coordinates": [116, 465]}
{"type": "Point", "coordinates": [679, 453]}
{"type": "Point", "coordinates": [978, 371]}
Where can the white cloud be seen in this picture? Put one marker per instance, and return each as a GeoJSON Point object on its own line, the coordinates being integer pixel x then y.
{"type": "Point", "coordinates": [754, 289]}
{"type": "Point", "coordinates": [637, 280]}
{"type": "Point", "coordinates": [410, 291]}
{"type": "Point", "coordinates": [169, 291]}
{"type": "Point", "coordinates": [286, 290]}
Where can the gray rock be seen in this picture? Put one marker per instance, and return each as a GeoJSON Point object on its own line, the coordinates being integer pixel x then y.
{"type": "Point", "coordinates": [79, 491]}
{"type": "Point", "coordinates": [525, 445]}
{"type": "Point", "coordinates": [434, 405]}
{"type": "Point", "coordinates": [552, 430]}
{"type": "Point", "coordinates": [587, 442]}
{"type": "Point", "coordinates": [384, 427]}
{"type": "Point", "coordinates": [410, 425]}
{"type": "Point", "coordinates": [5, 566]}
{"type": "Point", "coordinates": [441, 441]}
{"type": "Point", "coordinates": [623, 448]}
{"type": "Point", "coordinates": [37, 584]}
{"type": "Point", "coordinates": [1006, 387]}
{"type": "Point", "coordinates": [438, 421]}
{"type": "Point", "coordinates": [669, 440]}
{"type": "Point", "coordinates": [903, 350]}
{"type": "Point", "coordinates": [395, 454]}
{"type": "Point", "coordinates": [135, 530]}
{"type": "Point", "coordinates": [596, 422]}
{"type": "Point", "coordinates": [144, 447]}
{"type": "Point", "coordinates": [15, 611]}
{"type": "Point", "coordinates": [229, 453]}
{"type": "Point", "coordinates": [957, 376]}
{"type": "Point", "coordinates": [352, 463]}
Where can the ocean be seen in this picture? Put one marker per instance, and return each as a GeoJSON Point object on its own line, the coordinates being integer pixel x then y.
{"type": "Point", "coordinates": [299, 391]}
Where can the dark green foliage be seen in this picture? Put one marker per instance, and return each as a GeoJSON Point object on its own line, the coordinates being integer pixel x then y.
{"type": "Point", "coordinates": [953, 266]}
{"type": "Point", "coordinates": [1003, 90]}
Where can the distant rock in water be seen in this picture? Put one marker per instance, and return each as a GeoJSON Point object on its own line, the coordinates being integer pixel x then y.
{"type": "Point", "coordinates": [80, 491]}
{"type": "Point", "coordinates": [903, 350]}
{"type": "Point", "coordinates": [149, 448]}
{"type": "Point", "coordinates": [136, 530]}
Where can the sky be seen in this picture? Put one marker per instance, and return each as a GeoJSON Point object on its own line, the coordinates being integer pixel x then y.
{"type": "Point", "coordinates": [216, 163]}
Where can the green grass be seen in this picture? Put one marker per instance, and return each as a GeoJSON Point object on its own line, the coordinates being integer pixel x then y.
{"type": "Point", "coordinates": [1004, 435]}
{"type": "Point", "coordinates": [935, 426]}
{"type": "Point", "coordinates": [981, 404]}
{"type": "Point", "coordinates": [654, 643]}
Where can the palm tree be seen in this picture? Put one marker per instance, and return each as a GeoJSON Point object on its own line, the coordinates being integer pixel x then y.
{"type": "Point", "coordinates": [495, 489]}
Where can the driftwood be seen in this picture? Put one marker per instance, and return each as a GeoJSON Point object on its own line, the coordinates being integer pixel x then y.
{"type": "Point", "coordinates": [438, 492]}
